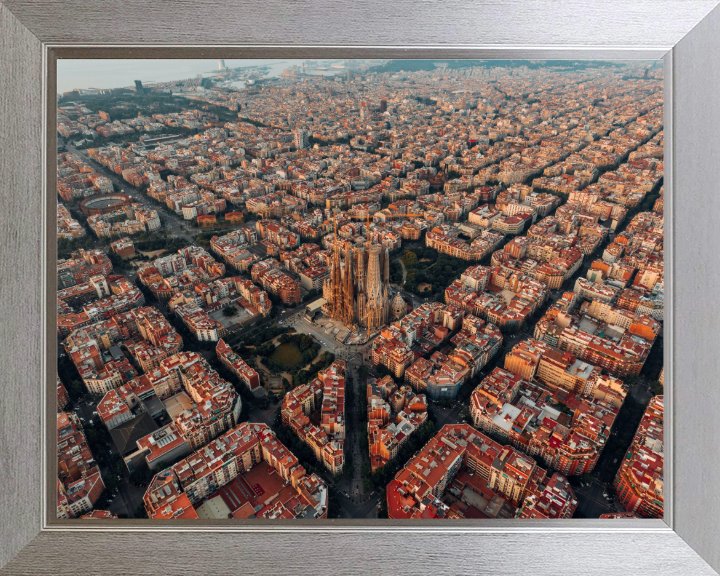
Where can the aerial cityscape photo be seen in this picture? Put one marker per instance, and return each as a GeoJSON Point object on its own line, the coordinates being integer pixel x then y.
{"type": "Point", "coordinates": [366, 289]}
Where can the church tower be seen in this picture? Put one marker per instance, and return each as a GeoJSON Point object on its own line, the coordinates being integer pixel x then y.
{"type": "Point", "coordinates": [349, 291]}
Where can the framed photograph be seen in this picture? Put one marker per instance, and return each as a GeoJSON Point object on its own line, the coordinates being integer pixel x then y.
{"type": "Point", "coordinates": [359, 289]}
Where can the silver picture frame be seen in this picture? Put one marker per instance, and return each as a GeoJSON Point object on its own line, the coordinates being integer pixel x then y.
{"type": "Point", "coordinates": [34, 34]}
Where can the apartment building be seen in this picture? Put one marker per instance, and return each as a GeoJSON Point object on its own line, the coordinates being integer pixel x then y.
{"type": "Point", "coordinates": [395, 355]}
{"type": "Point", "coordinates": [524, 358]}
{"type": "Point", "coordinates": [639, 482]}
{"type": "Point", "coordinates": [249, 470]}
{"type": "Point", "coordinates": [460, 458]}
{"type": "Point", "coordinates": [123, 247]}
{"type": "Point", "coordinates": [527, 415]}
{"type": "Point", "coordinates": [393, 416]}
{"type": "Point", "coordinates": [323, 400]}
{"type": "Point", "coordinates": [79, 482]}
{"type": "Point", "coordinates": [237, 366]}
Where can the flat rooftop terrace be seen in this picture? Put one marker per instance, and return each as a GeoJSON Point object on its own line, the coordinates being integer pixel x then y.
{"type": "Point", "coordinates": [176, 405]}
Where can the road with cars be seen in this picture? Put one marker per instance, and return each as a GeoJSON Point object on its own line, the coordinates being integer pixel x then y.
{"type": "Point", "coordinates": [357, 507]}
{"type": "Point", "coordinates": [594, 499]}
{"type": "Point", "coordinates": [450, 415]}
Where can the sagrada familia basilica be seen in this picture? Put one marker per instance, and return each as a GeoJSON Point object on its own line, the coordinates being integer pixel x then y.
{"type": "Point", "coordinates": [357, 290]}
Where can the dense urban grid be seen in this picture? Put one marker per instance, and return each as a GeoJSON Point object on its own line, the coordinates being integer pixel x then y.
{"type": "Point", "coordinates": [363, 289]}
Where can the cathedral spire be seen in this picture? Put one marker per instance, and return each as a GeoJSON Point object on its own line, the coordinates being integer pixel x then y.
{"type": "Point", "coordinates": [358, 286]}
{"type": "Point", "coordinates": [386, 267]}
{"type": "Point", "coordinates": [336, 278]}
{"type": "Point", "coordinates": [349, 291]}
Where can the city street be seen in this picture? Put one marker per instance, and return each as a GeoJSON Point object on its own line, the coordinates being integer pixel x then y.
{"type": "Point", "coordinates": [592, 503]}
{"type": "Point", "coordinates": [446, 415]}
{"type": "Point", "coordinates": [364, 508]}
{"type": "Point", "coordinates": [354, 431]}
{"type": "Point", "coordinates": [262, 415]}
{"type": "Point", "coordinates": [127, 500]}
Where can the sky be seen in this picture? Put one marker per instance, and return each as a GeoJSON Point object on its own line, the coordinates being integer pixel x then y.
{"type": "Point", "coordinates": [104, 73]}
{"type": "Point", "coordinates": [120, 73]}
